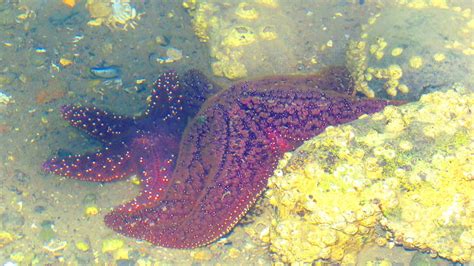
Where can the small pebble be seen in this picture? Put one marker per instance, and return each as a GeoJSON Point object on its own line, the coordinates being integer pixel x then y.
{"type": "Point", "coordinates": [4, 98]}
{"type": "Point", "coordinates": [172, 55]}
{"type": "Point", "coordinates": [108, 72]}
{"type": "Point", "coordinates": [111, 244]}
{"type": "Point", "coordinates": [5, 238]}
{"type": "Point", "coordinates": [21, 177]}
{"type": "Point", "coordinates": [121, 254]}
{"type": "Point", "coordinates": [65, 62]}
{"type": "Point", "coordinates": [55, 245]}
{"type": "Point", "coordinates": [40, 209]}
{"type": "Point", "coordinates": [91, 211]}
{"type": "Point", "coordinates": [82, 246]}
{"type": "Point", "coordinates": [161, 40]}
{"type": "Point", "coordinates": [201, 255]}
{"type": "Point", "coordinates": [17, 256]}
{"type": "Point", "coordinates": [234, 253]}
{"type": "Point", "coordinates": [40, 50]}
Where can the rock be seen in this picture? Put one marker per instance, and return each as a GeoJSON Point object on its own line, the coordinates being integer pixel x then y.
{"type": "Point", "coordinates": [5, 238]}
{"type": "Point", "coordinates": [111, 244]}
{"type": "Point", "coordinates": [407, 169]}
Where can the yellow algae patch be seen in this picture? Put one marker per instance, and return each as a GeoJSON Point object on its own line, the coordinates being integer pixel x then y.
{"type": "Point", "coordinates": [82, 246]}
{"type": "Point", "coordinates": [121, 254]}
{"type": "Point", "coordinates": [416, 62]}
{"type": "Point", "coordinates": [238, 32]}
{"type": "Point", "coordinates": [234, 253]}
{"type": "Point", "coordinates": [405, 145]}
{"type": "Point", "coordinates": [403, 88]}
{"type": "Point", "coordinates": [229, 68]}
{"type": "Point", "coordinates": [201, 255]}
{"type": "Point", "coordinates": [65, 62]}
{"type": "Point", "coordinates": [110, 245]}
{"type": "Point", "coordinates": [245, 11]}
{"type": "Point", "coordinates": [91, 211]}
{"type": "Point", "coordinates": [135, 180]}
{"type": "Point", "coordinates": [5, 238]}
{"type": "Point", "coordinates": [239, 36]}
{"type": "Point", "coordinates": [395, 72]}
{"type": "Point", "coordinates": [397, 51]}
{"type": "Point", "coordinates": [331, 193]}
{"type": "Point", "coordinates": [202, 18]}
{"type": "Point", "coordinates": [268, 33]}
{"type": "Point", "coordinates": [268, 3]}
{"type": "Point", "coordinates": [377, 48]}
{"type": "Point", "coordinates": [69, 3]}
{"type": "Point", "coordinates": [421, 4]}
{"type": "Point", "coordinates": [439, 57]}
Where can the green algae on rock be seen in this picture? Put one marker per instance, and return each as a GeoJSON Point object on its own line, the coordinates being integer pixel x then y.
{"type": "Point", "coordinates": [407, 169]}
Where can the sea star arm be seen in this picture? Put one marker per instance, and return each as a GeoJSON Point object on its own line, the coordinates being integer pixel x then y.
{"type": "Point", "coordinates": [108, 164]}
{"type": "Point", "coordinates": [290, 118]}
{"type": "Point", "coordinates": [172, 102]}
{"type": "Point", "coordinates": [155, 155]}
{"type": "Point", "coordinates": [175, 99]}
{"type": "Point", "coordinates": [195, 208]}
{"type": "Point", "coordinates": [165, 100]}
{"type": "Point", "coordinates": [102, 125]}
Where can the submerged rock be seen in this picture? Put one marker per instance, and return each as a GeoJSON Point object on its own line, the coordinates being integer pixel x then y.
{"type": "Point", "coordinates": [408, 169]}
{"type": "Point", "coordinates": [404, 51]}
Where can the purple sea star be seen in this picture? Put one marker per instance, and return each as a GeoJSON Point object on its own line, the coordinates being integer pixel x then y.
{"type": "Point", "coordinates": [200, 178]}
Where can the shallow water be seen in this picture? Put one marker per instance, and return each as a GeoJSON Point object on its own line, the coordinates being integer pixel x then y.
{"type": "Point", "coordinates": [47, 51]}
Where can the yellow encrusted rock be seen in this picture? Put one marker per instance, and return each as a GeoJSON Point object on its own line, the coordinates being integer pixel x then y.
{"type": "Point", "coordinates": [381, 170]}
{"type": "Point", "coordinates": [272, 36]}
{"type": "Point", "coordinates": [243, 36]}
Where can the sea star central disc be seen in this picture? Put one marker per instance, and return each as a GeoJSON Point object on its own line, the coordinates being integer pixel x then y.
{"type": "Point", "coordinates": [199, 178]}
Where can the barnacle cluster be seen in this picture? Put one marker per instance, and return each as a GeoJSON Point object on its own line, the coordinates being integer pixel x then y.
{"type": "Point", "coordinates": [407, 169]}
{"type": "Point", "coordinates": [115, 14]}
{"type": "Point", "coordinates": [410, 46]}
{"type": "Point", "coordinates": [233, 29]}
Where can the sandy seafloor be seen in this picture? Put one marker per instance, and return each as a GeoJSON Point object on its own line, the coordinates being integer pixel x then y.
{"type": "Point", "coordinates": [46, 213]}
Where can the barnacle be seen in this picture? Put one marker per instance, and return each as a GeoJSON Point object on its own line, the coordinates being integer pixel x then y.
{"type": "Point", "coordinates": [417, 56]}
{"type": "Point", "coordinates": [115, 14]}
{"type": "Point", "coordinates": [380, 171]}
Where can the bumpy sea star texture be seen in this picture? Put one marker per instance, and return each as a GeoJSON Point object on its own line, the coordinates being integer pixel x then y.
{"type": "Point", "coordinates": [197, 187]}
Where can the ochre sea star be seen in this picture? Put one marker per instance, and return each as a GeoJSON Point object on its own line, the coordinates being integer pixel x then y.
{"type": "Point", "coordinates": [200, 177]}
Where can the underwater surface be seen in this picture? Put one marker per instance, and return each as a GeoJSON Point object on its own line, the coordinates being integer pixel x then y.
{"type": "Point", "coordinates": [258, 132]}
